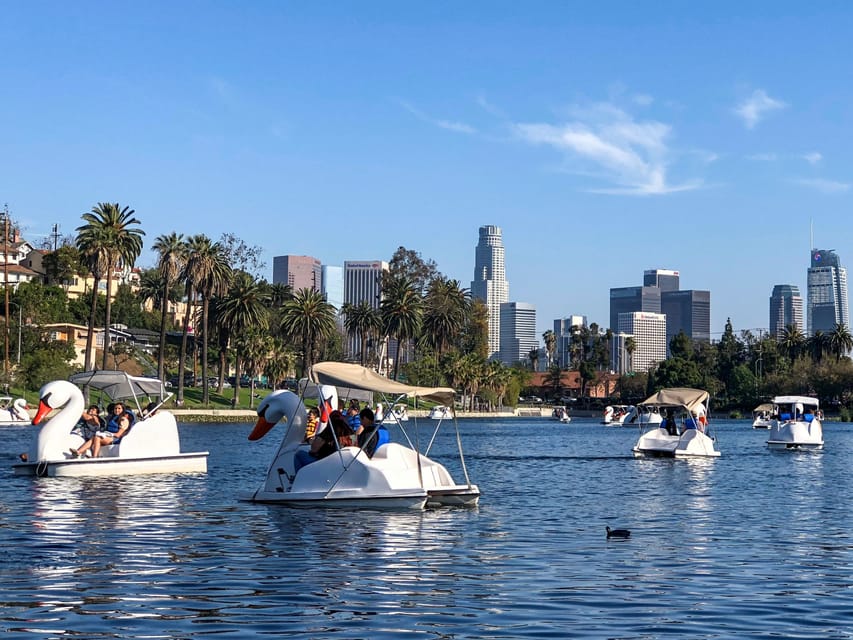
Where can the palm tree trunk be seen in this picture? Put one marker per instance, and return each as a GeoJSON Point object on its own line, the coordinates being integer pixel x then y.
{"type": "Point", "coordinates": [161, 357]}
{"type": "Point", "coordinates": [90, 338]}
{"type": "Point", "coordinates": [183, 354]}
{"type": "Point", "coordinates": [205, 395]}
{"type": "Point", "coordinates": [107, 315]}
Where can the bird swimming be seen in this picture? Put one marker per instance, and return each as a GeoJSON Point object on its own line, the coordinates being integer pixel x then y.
{"type": "Point", "coordinates": [618, 533]}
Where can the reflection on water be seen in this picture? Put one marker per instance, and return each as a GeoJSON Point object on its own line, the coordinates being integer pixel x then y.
{"type": "Point", "coordinates": [752, 544]}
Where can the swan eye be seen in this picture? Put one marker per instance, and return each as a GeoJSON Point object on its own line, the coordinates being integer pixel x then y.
{"type": "Point", "coordinates": [46, 398]}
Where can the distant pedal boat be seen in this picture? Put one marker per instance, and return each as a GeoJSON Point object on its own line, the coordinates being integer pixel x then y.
{"type": "Point", "coordinates": [795, 424]}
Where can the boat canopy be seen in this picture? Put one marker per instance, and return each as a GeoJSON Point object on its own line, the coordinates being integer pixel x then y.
{"type": "Point", "coordinates": [119, 385]}
{"type": "Point", "coordinates": [354, 376]}
{"type": "Point", "coordinates": [692, 399]}
{"type": "Point", "coordinates": [763, 407]}
{"type": "Point", "coordinates": [812, 402]}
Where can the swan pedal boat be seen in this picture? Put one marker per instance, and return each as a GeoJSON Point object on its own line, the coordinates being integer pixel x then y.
{"type": "Point", "coordinates": [13, 412]}
{"type": "Point", "coordinates": [152, 445]}
{"type": "Point", "coordinates": [762, 416]}
{"type": "Point", "coordinates": [439, 412]}
{"type": "Point", "coordinates": [795, 424]}
{"type": "Point", "coordinates": [396, 477]}
{"type": "Point", "coordinates": [561, 415]}
{"type": "Point", "coordinates": [690, 439]}
{"type": "Point", "coordinates": [614, 415]}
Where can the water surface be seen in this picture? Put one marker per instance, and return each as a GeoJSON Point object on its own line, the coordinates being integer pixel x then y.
{"type": "Point", "coordinates": [754, 544]}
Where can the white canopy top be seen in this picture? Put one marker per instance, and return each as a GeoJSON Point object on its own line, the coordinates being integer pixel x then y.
{"type": "Point", "coordinates": [344, 374]}
{"type": "Point", "coordinates": [812, 402]}
{"type": "Point", "coordinates": [692, 399]}
{"type": "Point", "coordinates": [119, 385]}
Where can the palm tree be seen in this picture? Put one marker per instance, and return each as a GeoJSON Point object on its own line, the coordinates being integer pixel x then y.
{"type": "Point", "coordinates": [244, 306]}
{"type": "Point", "coordinates": [792, 341]}
{"type": "Point", "coordinates": [210, 272]}
{"type": "Point", "coordinates": [402, 313]}
{"type": "Point", "coordinates": [255, 348]}
{"type": "Point", "coordinates": [280, 362]}
{"type": "Point", "coordinates": [840, 341]}
{"type": "Point", "coordinates": [362, 320]}
{"type": "Point", "coordinates": [818, 345]}
{"type": "Point", "coordinates": [446, 307]}
{"type": "Point", "coordinates": [630, 348]}
{"type": "Point", "coordinates": [171, 256]}
{"type": "Point", "coordinates": [95, 257]}
{"type": "Point", "coordinates": [550, 340]}
{"type": "Point", "coordinates": [533, 355]}
{"type": "Point", "coordinates": [110, 227]}
{"type": "Point", "coordinates": [307, 317]}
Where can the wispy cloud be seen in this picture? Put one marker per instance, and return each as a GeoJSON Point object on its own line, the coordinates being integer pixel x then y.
{"type": "Point", "coordinates": [753, 109]}
{"type": "Point", "coordinates": [812, 158]}
{"type": "Point", "coordinates": [449, 125]}
{"type": "Point", "coordinates": [632, 155]}
{"type": "Point", "coordinates": [824, 186]}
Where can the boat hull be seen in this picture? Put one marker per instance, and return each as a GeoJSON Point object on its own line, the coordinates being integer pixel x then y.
{"type": "Point", "coordinates": [690, 444]}
{"type": "Point", "coordinates": [340, 499]}
{"type": "Point", "coordinates": [461, 496]}
{"type": "Point", "coordinates": [796, 435]}
{"type": "Point", "coordinates": [113, 466]}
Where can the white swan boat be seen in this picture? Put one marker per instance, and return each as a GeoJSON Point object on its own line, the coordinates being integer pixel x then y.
{"type": "Point", "coordinates": [795, 424]}
{"type": "Point", "coordinates": [561, 415]}
{"type": "Point", "coordinates": [683, 433]}
{"type": "Point", "coordinates": [13, 412]}
{"type": "Point", "coordinates": [615, 415]}
{"type": "Point", "coordinates": [397, 476]}
{"type": "Point", "coordinates": [440, 412]}
{"type": "Point", "coordinates": [399, 413]}
{"type": "Point", "coordinates": [152, 444]}
{"type": "Point", "coordinates": [642, 415]}
{"type": "Point", "coordinates": [762, 416]}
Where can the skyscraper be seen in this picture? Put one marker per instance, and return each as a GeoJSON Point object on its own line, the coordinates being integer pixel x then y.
{"type": "Point", "coordinates": [489, 283]}
{"type": "Point", "coordinates": [333, 285]}
{"type": "Point", "coordinates": [827, 292]}
{"type": "Point", "coordinates": [664, 279]}
{"type": "Point", "coordinates": [518, 331]}
{"type": "Point", "coordinates": [687, 312]}
{"type": "Point", "coordinates": [786, 308]}
{"type": "Point", "coordinates": [300, 272]}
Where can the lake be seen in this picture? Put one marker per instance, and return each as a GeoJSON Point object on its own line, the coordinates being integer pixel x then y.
{"type": "Point", "coordinates": [754, 544]}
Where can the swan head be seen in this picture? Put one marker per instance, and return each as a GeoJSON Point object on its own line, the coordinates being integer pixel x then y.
{"type": "Point", "coordinates": [271, 410]}
{"type": "Point", "coordinates": [54, 395]}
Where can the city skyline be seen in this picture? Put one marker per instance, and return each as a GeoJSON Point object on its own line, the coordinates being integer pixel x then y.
{"type": "Point", "coordinates": [604, 140]}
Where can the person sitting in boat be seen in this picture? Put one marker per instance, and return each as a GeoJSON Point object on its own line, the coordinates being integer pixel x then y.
{"type": "Point", "coordinates": [353, 418]}
{"type": "Point", "coordinates": [90, 422]}
{"type": "Point", "coordinates": [337, 434]}
{"type": "Point", "coordinates": [370, 435]}
{"type": "Point", "coordinates": [311, 424]}
{"type": "Point", "coordinates": [692, 422]}
{"type": "Point", "coordinates": [808, 414]}
{"type": "Point", "coordinates": [115, 431]}
{"type": "Point", "coordinates": [669, 423]}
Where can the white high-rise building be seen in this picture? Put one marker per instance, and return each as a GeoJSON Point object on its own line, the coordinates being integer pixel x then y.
{"type": "Point", "coordinates": [518, 332]}
{"type": "Point", "coordinates": [649, 333]}
{"type": "Point", "coordinates": [563, 330]}
{"type": "Point", "coordinates": [362, 282]}
{"type": "Point", "coordinates": [827, 292]}
{"type": "Point", "coordinates": [489, 283]}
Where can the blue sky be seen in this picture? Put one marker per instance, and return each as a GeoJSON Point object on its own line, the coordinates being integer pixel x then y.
{"type": "Point", "coordinates": [604, 138]}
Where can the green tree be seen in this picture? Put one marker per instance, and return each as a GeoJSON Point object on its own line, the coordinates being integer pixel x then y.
{"type": "Point", "coordinates": [401, 309]}
{"type": "Point", "coordinates": [362, 321]}
{"type": "Point", "coordinates": [308, 317]}
{"type": "Point", "coordinates": [549, 339]}
{"type": "Point", "coordinates": [792, 341]}
{"type": "Point", "coordinates": [171, 256]}
{"type": "Point", "coordinates": [243, 307]}
{"type": "Point", "coordinates": [409, 265]}
{"type": "Point", "coordinates": [446, 307]}
{"type": "Point", "coordinates": [840, 341]}
{"type": "Point", "coordinates": [112, 229]}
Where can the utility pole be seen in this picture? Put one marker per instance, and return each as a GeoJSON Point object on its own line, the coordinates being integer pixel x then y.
{"type": "Point", "coordinates": [54, 233]}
